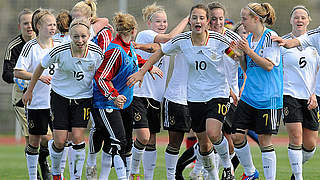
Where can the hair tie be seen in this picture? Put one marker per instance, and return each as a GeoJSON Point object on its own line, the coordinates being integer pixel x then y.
{"type": "Point", "coordinates": [263, 18]}
{"type": "Point", "coordinates": [300, 7]}
{"type": "Point", "coordinates": [154, 14]}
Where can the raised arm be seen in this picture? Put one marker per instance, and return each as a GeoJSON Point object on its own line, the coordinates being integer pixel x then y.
{"type": "Point", "coordinates": [162, 38]}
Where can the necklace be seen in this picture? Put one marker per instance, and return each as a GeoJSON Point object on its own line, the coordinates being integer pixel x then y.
{"type": "Point", "coordinates": [81, 55]}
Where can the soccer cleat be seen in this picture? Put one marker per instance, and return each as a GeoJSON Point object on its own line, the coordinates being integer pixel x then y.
{"type": "Point", "coordinates": [293, 177]}
{"type": "Point", "coordinates": [135, 176]}
{"type": "Point", "coordinates": [255, 175]}
{"type": "Point", "coordinates": [227, 174]}
{"type": "Point", "coordinates": [194, 176]}
{"type": "Point", "coordinates": [45, 170]}
{"type": "Point", "coordinates": [91, 173]}
{"type": "Point", "coordinates": [56, 177]}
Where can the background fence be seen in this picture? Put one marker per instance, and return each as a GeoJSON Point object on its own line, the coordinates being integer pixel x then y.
{"type": "Point", "coordinates": [176, 10]}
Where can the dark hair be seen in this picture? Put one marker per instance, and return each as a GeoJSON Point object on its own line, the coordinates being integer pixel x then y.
{"type": "Point", "coordinates": [63, 21]}
{"type": "Point", "coordinates": [217, 5]}
{"type": "Point", "coordinates": [300, 7]}
{"type": "Point", "coordinates": [200, 6]}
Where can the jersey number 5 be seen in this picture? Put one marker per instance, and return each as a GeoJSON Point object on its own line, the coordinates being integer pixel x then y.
{"type": "Point", "coordinates": [302, 62]}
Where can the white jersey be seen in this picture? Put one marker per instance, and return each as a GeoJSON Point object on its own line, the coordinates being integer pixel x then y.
{"type": "Point", "coordinates": [31, 55]}
{"type": "Point", "coordinates": [151, 88]}
{"type": "Point", "coordinates": [312, 38]}
{"type": "Point", "coordinates": [73, 78]}
{"type": "Point", "coordinates": [300, 67]}
{"type": "Point", "coordinates": [63, 38]}
{"type": "Point", "coordinates": [230, 65]}
{"type": "Point", "coordinates": [207, 77]}
{"type": "Point", "coordinates": [177, 87]}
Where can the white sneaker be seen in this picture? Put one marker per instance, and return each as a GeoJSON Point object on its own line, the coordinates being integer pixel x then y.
{"type": "Point", "coordinates": [91, 172]}
{"type": "Point", "coordinates": [194, 176]}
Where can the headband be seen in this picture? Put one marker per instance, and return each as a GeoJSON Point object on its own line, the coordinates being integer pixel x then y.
{"type": "Point", "coordinates": [256, 13]}
{"type": "Point", "coordinates": [299, 7]}
{"type": "Point", "coordinates": [154, 14]}
{"type": "Point", "coordinates": [79, 23]}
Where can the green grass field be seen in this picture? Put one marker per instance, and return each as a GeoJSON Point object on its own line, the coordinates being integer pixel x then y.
{"type": "Point", "coordinates": [13, 164]}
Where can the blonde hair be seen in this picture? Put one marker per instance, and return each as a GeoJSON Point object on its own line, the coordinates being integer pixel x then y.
{"type": "Point", "coordinates": [63, 21]}
{"type": "Point", "coordinates": [87, 8]}
{"type": "Point", "coordinates": [151, 10]}
{"type": "Point", "coordinates": [80, 21]}
{"type": "Point", "coordinates": [124, 23]}
{"type": "Point", "coordinates": [23, 12]}
{"type": "Point", "coordinates": [300, 7]}
{"type": "Point", "coordinates": [37, 18]}
{"type": "Point", "coordinates": [264, 11]}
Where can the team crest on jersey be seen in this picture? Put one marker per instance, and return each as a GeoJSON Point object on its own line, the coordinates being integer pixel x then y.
{"type": "Point", "coordinates": [286, 111]}
{"type": "Point", "coordinates": [171, 120]}
{"type": "Point", "coordinates": [91, 67]}
{"type": "Point", "coordinates": [314, 53]}
{"type": "Point", "coordinates": [261, 52]}
{"type": "Point", "coordinates": [137, 116]}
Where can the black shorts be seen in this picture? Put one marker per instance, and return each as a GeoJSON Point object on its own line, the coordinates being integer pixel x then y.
{"type": "Point", "coordinates": [176, 117]}
{"type": "Point", "coordinates": [227, 125]}
{"type": "Point", "coordinates": [109, 125]}
{"type": "Point", "coordinates": [296, 110]}
{"type": "Point", "coordinates": [216, 108]}
{"type": "Point", "coordinates": [38, 121]}
{"type": "Point", "coordinates": [70, 113]}
{"type": "Point", "coordinates": [262, 121]}
{"type": "Point", "coordinates": [147, 114]}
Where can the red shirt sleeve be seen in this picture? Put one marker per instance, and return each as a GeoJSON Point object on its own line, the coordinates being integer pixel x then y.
{"type": "Point", "coordinates": [107, 70]}
{"type": "Point", "coordinates": [141, 62]}
{"type": "Point", "coordinates": [104, 39]}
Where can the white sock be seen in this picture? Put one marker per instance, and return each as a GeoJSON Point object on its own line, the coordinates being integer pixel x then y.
{"type": "Point", "coordinates": [198, 165]}
{"type": "Point", "coordinates": [208, 165]}
{"type": "Point", "coordinates": [295, 159]}
{"type": "Point", "coordinates": [64, 159]}
{"type": "Point", "coordinates": [223, 151]}
{"type": "Point", "coordinates": [171, 163]}
{"type": "Point", "coordinates": [307, 155]}
{"type": "Point", "coordinates": [136, 159]}
{"type": "Point", "coordinates": [269, 162]}
{"type": "Point", "coordinates": [217, 162]}
{"type": "Point", "coordinates": [32, 164]}
{"type": "Point", "coordinates": [55, 159]}
{"type": "Point", "coordinates": [149, 163]}
{"type": "Point", "coordinates": [78, 158]}
{"type": "Point", "coordinates": [106, 162]}
{"type": "Point", "coordinates": [92, 159]}
{"type": "Point", "coordinates": [128, 167]}
{"type": "Point", "coordinates": [119, 167]}
{"type": "Point", "coordinates": [245, 159]}
{"type": "Point", "coordinates": [70, 160]}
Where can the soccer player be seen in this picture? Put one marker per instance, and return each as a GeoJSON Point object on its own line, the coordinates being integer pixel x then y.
{"type": "Point", "coordinates": [260, 106]}
{"type": "Point", "coordinates": [77, 61]}
{"type": "Point", "coordinates": [38, 112]}
{"type": "Point", "coordinates": [146, 101]}
{"type": "Point", "coordinates": [299, 101]}
{"type": "Point", "coordinates": [112, 98]}
{"type": "Point", "coordinates": [207, 101]}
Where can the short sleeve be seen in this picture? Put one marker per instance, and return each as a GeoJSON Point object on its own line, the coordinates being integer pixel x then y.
{"type": "Point", "coordinates": [170, 48]}
{"type": "Point", "coordinates": [24, 60]}
{"type": "Point", "coordinates": [271, 50]}
{"type": "Point", "coordinates": [311, 38]}
{"type": "Point", "coordinates": [145, 37]}
{"type": "Point", "coordinates": [48, 60]}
